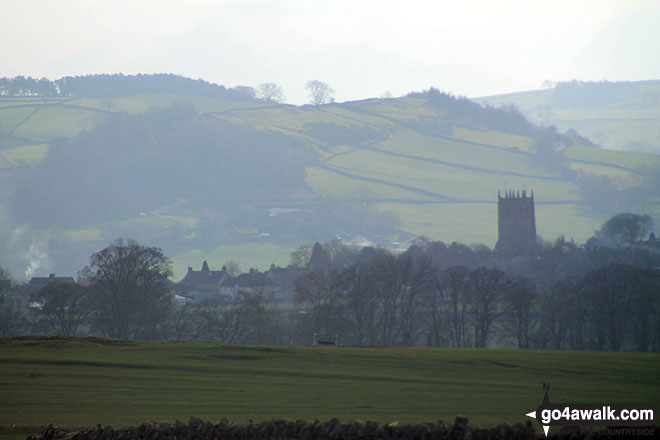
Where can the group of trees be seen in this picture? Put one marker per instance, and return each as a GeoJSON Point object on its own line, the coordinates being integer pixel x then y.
{"type": "Point", "coordinates": [595, 93]}
{"type": "Point", "coordinates": [115, 85]}
{"type": "Point", "coordinates": [410, 299]}
{"type": "Point", "coordinates": [124, 292]}
{"type": "Point", "coordinates": [460, 109]}
{"type": "Point", "coordinates": [134, 163]}
{"type": "Point", "coordinates": [596, 297]}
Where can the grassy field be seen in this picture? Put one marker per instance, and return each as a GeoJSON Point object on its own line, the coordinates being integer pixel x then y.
{"type": "Point", "coordinates": [81, 382]}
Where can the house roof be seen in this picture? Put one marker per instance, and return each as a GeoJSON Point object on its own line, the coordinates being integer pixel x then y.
{"type": "Point", "coordinates": [205, 276]}
{"type": "Point", "coordinates": [43, 281]}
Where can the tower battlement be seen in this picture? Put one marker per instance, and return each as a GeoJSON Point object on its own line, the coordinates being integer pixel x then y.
{"type": "Point", "coordinates": [516, 223]}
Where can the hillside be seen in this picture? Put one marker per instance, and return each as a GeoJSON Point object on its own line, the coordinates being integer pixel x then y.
{"type": "Point", "coordinates": [81, 382]}
{"type": "Point", "coordinates": [617, 116]}
{"type": "Point", "coordinates": [377, 171]}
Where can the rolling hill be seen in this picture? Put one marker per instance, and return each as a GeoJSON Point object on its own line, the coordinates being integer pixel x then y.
{"type": "Point", "coordinates": [380, 171]}
{"type": "Point", "coordinates": [618, 116]}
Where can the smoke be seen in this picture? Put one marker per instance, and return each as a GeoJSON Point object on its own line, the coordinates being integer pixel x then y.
{"type": "Point", "coordinates": [37, 258]}
{"type": "Point", "coordinates": [26, 252]}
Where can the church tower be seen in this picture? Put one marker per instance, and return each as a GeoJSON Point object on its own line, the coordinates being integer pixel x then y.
{"type": "Point", "coordinates": [516, 224]}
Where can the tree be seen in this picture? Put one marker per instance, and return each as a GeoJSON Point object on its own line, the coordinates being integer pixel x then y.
{"type": "Point", "coordinates": [486, 290]}
{"type": "Point", "coordinates": [556, 323]}
{"type": "Point", "coordinates": [319, 92]}
{"type": "Point", "coordinates": [321, 292]}
{"type": "Point", "coordinates": [63, 307]}
{"type": "Point", "coordinates": [360, 296]}
{"type": "Point", "coordinates": [301, 256]}
{"type": "Point", "coordinates": [12, 320]}
{"type": "Point", "coordinates": [270, 92]}
{"type": "Point", "coordinates": [320, 259]}
{"type": "Point", "coordinates": [220, 318]}
{"type": "Point", "coordinates": [625, 229]}
{"type": "Point", "coordinates": [130, 295]}
{"type": "Point", "coordinates": [623, 300]}
{"type": "Point", "coordinates": [233, 268]}
{"type": "Point", "coordinates": [449, 307]}
{"type": "Point", "coordinates": [519, 318]}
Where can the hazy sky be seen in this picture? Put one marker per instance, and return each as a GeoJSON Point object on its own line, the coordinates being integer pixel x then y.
{"type": "Point", "coordinates": [361, 48]}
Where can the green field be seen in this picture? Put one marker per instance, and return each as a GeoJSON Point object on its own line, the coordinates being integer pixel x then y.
{"type": "Point", "coordinates": [81, 382]}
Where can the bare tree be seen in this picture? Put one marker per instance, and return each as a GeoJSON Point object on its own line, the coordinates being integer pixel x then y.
{"type": "Point", "coordinates": [301, 256]}
{"type": "Point", "coordinates": [449, 307]}
{"type": "Point", "coordinates": [63, 307]}
{"type": "Point", "coordinates": [360, 296]}
{"type": "Point", "coordinates": [220, 319]}
{"type": "Point", "coordinates": [389, 285]}
{"type": "Point", "coordinates": [555, 319]}
{"type": "Point", "coordinates": [321, 292]}
{"type": "Point", "coordinates": [130, 294]}
{"type": "Point", "coordinates": [519, 320]}
{"type": "Point", "coordinates": [646, 308]}
{"type": "Point", "coordinates": [12, 321]}
{"type": "Point", "coordinates": [418, 274]}
{"type": "Point", "coordinates": [487, 288]}
{"type": "Point", "coordinates": [233, 268]}
{"type": "Point", "coordinates": [319, 92]}
{"type": "Point", "coordinates": [270, 92]}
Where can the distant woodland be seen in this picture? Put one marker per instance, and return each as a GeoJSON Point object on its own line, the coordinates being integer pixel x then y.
{"type": "Point", "coordinates": [134, 163]}
{"type": "Point", "coordinates": [110, 86]}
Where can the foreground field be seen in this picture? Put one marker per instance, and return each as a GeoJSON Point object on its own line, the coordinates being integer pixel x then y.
{"type": "Point", "coordinates": [81, 382]}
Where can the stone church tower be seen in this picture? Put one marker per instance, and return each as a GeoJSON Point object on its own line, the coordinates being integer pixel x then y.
{"type": "Point", "coordinates": [516, 224]}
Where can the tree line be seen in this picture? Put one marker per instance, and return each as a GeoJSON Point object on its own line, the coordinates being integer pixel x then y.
{"type": "Point", "coordinates": [115, 85]}
{"type": "Point", "coordinates": [118, 84]}
{"type": "Point", "coordinates": [411, 300]}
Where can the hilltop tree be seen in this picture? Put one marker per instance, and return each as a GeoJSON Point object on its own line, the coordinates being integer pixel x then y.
{"type": "Point", "coordinates": [130, 294]}
{"type": "Point", "coordinates": [270, 92]}
{"type": "Point", "coordinates": [319, 92]}
{"type": "Point", "coordinates": [547, 84]}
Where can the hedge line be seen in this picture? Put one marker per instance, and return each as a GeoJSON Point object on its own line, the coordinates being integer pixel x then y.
{"type": "Point", "coordinates": [197, 429]}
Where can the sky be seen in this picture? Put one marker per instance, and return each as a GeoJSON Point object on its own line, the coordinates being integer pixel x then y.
{"type": "Point", "coordinates": [360, 48]}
